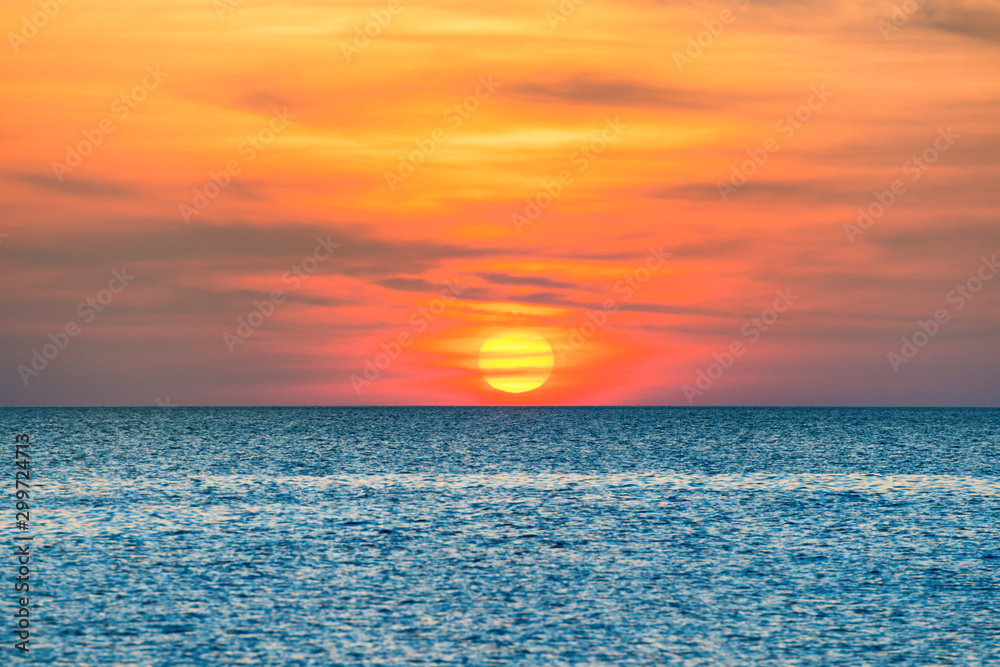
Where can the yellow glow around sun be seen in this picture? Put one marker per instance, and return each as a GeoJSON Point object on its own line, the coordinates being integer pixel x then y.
{"type": "Point", "coordinates": [516, 361]}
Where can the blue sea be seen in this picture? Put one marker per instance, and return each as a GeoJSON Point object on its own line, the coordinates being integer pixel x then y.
{"type": "Point", "coordinates": [509, 536]}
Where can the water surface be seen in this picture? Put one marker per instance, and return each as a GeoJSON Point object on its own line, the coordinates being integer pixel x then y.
{"type": "Point", "coordinates": [488, 536]}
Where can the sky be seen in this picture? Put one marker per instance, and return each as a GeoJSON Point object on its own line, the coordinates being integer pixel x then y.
{"type": "Point", "coordinates": [693, 203]}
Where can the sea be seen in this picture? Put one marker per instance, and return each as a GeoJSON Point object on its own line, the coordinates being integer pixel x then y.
{"type": "Point", "coordinates": [506, 536]}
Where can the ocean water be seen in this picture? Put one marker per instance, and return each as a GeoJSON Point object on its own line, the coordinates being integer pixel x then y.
{"type": "Point", "coordinates": [506, 536]}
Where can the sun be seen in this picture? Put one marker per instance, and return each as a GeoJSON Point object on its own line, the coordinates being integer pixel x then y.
{"type": "Point", "coordinates": [516, 361]}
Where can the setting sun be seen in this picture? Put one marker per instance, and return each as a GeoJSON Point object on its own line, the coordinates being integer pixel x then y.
{"type": "Point", "coordinates": [516, 361]}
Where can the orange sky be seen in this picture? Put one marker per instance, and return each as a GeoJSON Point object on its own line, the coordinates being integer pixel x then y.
{"type": "Point", "coordinates": [415, 155]}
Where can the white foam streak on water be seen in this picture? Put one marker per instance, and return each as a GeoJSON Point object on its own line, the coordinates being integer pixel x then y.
{"type": "Point", "coordinates": [811, 482]}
